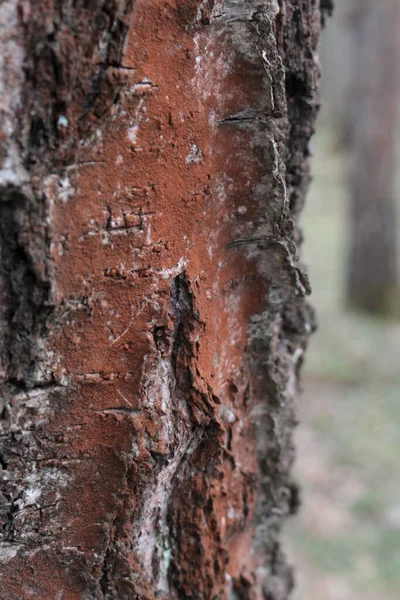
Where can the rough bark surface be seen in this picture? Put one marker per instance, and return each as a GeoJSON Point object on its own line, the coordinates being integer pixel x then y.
{"type": "Point", "coordinates": [153, 321]}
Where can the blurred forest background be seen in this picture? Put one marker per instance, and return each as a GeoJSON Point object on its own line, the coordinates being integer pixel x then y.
{"type": "Point", "coordinates": [346, 539]}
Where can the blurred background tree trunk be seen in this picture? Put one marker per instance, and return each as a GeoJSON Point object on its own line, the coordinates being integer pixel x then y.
{"type": "Point", "coordinates": [372, 278]}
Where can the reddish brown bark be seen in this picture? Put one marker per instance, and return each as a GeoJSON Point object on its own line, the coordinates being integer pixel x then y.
{"type": "Point", "coordinates": [154, 316]}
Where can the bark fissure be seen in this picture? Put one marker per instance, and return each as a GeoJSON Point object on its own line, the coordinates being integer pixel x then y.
{"type": "Point", "coordinates": [26, 289]}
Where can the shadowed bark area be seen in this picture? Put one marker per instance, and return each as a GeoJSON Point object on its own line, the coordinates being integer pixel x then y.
{"type": "Point", "coordinates": [153, 320]}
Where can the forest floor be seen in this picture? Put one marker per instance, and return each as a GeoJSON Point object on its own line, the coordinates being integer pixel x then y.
{"type": "Point", "coordinates": [346, 540]}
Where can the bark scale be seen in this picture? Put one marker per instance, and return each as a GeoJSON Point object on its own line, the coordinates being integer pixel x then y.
{"type": "Point", "coordinates": [154, 162]}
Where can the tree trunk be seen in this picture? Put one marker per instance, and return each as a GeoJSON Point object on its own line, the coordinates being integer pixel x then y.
{"type": "Point", "coordinates": [336, 48]}
{"type": "Point", "coordinates": [372, 284]}
{"type": "Point", "coordinates": [153, 316]}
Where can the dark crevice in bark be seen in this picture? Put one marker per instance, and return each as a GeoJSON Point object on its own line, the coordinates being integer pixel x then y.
{"type": "Point", "coordinates": [175, 345]}
{"type": "Point", "coordinates": [242, 589]}
{"type": "Point", "coordinates": [181, 350]}
{"type": "Point", "coordinates": [27, 287]}
{"type": "Point", "coordinates": [297, 38]}
{"type": "Point", "coordinates": [18, 386]}
{"type": "Point", "coordinates": [3, 460]}
{"type": "Point", "coordinates": [191, 479]}
{"type": "Point", "coordinates": [237, 119]}
{"type": "Point", "coordinates": [8, 533]}
{"type": "Point", "coordinates": [105, 580]}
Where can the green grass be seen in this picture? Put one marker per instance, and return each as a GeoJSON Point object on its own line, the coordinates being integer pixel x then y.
{"type": "Point", "coordinates": [347, 537]}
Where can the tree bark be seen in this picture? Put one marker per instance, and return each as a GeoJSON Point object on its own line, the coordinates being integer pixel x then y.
{"type": "Point", "coordinates": [372, 284]}
{"type": "Point", "coordinates": [153, 314]}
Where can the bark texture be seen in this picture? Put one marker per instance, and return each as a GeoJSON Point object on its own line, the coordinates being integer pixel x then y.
{"type": "Point", "coordinates": [372, 276]}
{"type": "Point", "coordinates": [153, 321]}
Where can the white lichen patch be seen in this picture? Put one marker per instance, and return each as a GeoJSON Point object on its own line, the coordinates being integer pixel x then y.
{"type": "Point", "coordinates": [42, 483]}
{"type": "Point", "coordinates": [226, 414]}
{"type": "Point", "coordinates": [292, 361]}
{"type": "Point", "coordinates": [154, 539]}
{"type": "Point", "coordinates": [32, 495]}
{"type": "Point", "coordinates": [12, 171]}
{"type": "Point", "coordinates": [174, 271]}
{"type": "Point", "coordinates": [65, 189]}
{"type": "Point", "coordinates": [208, 69]}
{"type": "Point", "coordinates": [195, 156]}
{"type": "Point", "coordinates": [8, 551]}
{"type": "Point", "coordinates": [132, 134]}
{"type": "Point", "coordinates": [62, 121]}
